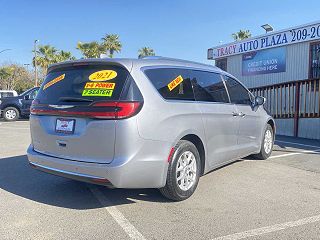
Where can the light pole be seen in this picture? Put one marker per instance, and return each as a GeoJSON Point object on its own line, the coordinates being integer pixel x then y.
{"type": "Point", "coordinates": [8, 49]}
{"type": "Point", "coordinates": [267, 27]}
{"type": "Point", "coordinates": [35, 62]}
{"type": "Point", "coordinates": [27, 65]}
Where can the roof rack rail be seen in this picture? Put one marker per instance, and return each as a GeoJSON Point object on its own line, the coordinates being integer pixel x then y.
{"type": "Point", "coordinates": [174, 59]}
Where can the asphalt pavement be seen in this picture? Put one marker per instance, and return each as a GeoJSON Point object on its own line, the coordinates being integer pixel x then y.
{"type": "Point", "coordinates": [249, 199]}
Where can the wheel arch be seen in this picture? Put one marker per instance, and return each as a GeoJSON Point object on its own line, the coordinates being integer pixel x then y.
{"type": "Point", "coordinates": [12, 105]}
{"type": "Point", "coordinates": [272, 123]}
{"type": "Point", "coordinates": [196, 140]}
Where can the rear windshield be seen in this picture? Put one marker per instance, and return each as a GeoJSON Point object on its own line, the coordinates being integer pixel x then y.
{"type": "Point", "coordinates": [6, 94]}
{"type": "Point", "coordinates": [83, 84]}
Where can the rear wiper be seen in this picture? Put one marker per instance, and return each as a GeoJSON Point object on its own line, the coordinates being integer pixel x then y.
{"type": "Point", "coordinates": [74, 99]}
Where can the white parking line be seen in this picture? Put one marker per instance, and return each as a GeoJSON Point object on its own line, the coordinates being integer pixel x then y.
{"type": "Point", "coordinates": [295, 153]}
{"type": "Point", "coordinates": [124, 223]}
{"type": "Point", "coordinates": [299, 144]}
{"type": "Point", "coordinates": [299, 152]}
{"type": "Point", "coordinates": [14, 128]}
{"type": "Point", "coordinates": [270, 229]}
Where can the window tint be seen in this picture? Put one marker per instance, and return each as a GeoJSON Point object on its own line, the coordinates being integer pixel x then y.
{"type": "Point", "coordinates": [171, 83]}
{"type": "Point", "coordinates": [88, 82]}
{"type": "Point", "coordinates": [33, 94]}
{"type": "Point", "coordinates": [238, 94]}
{"type": "Point", "coordinates": [208, 87]}
{"type": "Point", "coordinates": [6, 94]}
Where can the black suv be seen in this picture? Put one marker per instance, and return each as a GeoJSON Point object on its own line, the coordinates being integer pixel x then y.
{"type": "Point", "coordinates": [11, 108]}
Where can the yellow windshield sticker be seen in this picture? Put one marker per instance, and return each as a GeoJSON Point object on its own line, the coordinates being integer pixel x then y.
{"type": "Point", "coordinates": [99, 85]}
{"type": "Point", "coordinates": [175, 82]}
{"type": "Point", "coordinates": [97, 92]}
{"type": "Point", "coordinates": [54, 81]}
{"type": "Point", "coordinates": [102, 75]}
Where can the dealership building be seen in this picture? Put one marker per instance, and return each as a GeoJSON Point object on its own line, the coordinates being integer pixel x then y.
{"type": "Point", "coordinates": [284, 67]}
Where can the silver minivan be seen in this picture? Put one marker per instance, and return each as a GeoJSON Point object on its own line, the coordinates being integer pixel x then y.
{"type": "Point", "coordinates": [144, 123]}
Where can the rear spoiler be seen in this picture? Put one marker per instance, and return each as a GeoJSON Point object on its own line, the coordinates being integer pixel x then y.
{"type": "Point", "coordinates": [126, 63]}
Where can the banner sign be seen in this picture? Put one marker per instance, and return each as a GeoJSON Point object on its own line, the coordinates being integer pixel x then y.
{"type": "Point", "coordinates": [264, 61]}
{"type": "Point", "coordinates": [303, 33]}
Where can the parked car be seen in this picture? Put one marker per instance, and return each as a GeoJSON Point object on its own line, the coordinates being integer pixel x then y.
{"type": "Point", "coordinates": [8, 93]}
{"type": "Point", "coordinates": [144, 123]}
{"type": "Point", "coordinates": [11, 108]}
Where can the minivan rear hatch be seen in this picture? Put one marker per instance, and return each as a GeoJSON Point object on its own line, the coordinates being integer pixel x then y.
{"type": "Point", "coordinates": [75, 112]}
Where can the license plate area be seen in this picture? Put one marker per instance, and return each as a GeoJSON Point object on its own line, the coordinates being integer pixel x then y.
{"type": "Point", "coordinates": [64, 125]}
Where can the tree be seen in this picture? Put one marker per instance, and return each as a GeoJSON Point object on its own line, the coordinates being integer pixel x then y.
{"type": "Point", "coordinates": [91, 49]}
{"type": "Point", "coordinates": [47, 55]}
{"type": "Point", "coordinates": [15, 77]}
{"type": "Point", "coordinates": [145, 51]}
{"type": "Point", "coordinates": [112, 44]}
{"type": "Point", "coordinates": [63, 56]}
{"type": "Point", "coordinates": [242, 34]}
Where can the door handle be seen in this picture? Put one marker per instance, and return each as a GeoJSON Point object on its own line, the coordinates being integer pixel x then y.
{"type": "Point", "coordinates": [235, 114]}
{"type": "Point", "coordinates": [241, 114]}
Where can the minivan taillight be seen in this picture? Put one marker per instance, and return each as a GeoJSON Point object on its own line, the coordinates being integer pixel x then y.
{"type": "Point", "coordinates": [101, 110]}
{"type": "Point", "coordinates": [120, 109]}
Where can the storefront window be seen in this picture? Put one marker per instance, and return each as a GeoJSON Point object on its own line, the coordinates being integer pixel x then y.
{"type": "Point", "coordinates": [222, 64]}
{"type": "Point", "coordinates": [315, 60]}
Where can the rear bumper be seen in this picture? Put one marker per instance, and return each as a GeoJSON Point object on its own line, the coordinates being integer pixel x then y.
{"type": "Point", "coordinates": [134, 173]}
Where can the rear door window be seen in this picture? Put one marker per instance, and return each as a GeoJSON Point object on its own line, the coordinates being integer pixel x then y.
{"type": "Point", "coordinates": [171, 83]}
{"type": "Point", "coordinates": [85, 83]}
{"type": "Point", "coordinates": [208, 87]}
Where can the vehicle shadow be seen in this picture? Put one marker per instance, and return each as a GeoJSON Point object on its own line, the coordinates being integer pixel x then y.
{"type": "Point", "coordinates": [17, 177]}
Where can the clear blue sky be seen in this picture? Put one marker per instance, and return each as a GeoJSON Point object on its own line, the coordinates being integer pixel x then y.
{"type": "Point", "coordinates": [174, 28]}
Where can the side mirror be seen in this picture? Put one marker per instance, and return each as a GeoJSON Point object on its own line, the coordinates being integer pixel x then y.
{"type": "Point", "coordinates": [258, 100]}
{"type": "Point", "coordinates": [26, 97]}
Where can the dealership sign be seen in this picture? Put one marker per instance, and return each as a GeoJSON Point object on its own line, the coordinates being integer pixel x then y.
{"type": "Point", "coordinates": [265, 61]}
{"type": "Point", "coordinates": [303, 33]}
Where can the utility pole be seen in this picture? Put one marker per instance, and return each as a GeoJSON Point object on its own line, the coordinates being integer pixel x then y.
{"type": "Point", "coordinates": [35, 63]}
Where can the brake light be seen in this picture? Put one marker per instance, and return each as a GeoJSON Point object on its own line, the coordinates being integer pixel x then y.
{"type": "Point", "coordinates": [101, 110]}
{"type": "Point", "coordinates": [121, 109]}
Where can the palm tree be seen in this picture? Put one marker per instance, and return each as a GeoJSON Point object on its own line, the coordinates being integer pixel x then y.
{"type": "Point", "coordinates": [242, 34]}
{"type": "Point", "coordinates": [112, 44]}
{"type": "Point", "coordinates": [145, 51]}
{"type": "Point", "coordinates": [91, 49]}
{"type": "Point", "coordinates": [63, 56]}
{"type": "Point", "coordinates": [45, 57]}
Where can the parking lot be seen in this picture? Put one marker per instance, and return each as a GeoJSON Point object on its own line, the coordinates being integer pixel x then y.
{"type": "Point", "coordinates": [273, 199]}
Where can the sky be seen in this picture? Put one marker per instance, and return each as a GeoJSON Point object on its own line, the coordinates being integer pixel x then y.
{"type": "Point", "coordinates": [173, 28]}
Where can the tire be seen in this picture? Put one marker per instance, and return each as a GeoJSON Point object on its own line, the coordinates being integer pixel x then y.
{"type": "Point", "coordinates": [173, 190]}
{"type": "Point", "coordinates": [266, 144]}
{"type": "Point", "coordinates": [10, 114]}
